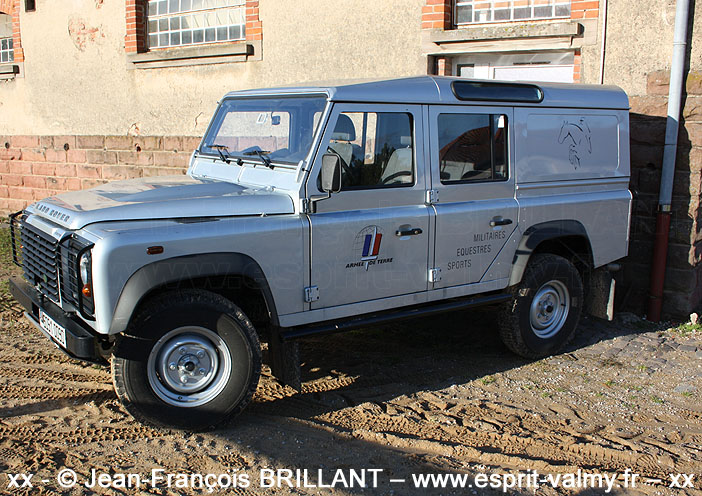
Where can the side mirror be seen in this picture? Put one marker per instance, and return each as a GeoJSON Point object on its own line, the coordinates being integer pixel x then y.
{"type": "Point", "coordinates": [331, 173]}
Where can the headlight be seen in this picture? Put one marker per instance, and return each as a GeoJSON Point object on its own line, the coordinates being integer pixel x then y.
{"type": "Point", "coordinates": [85, 268]}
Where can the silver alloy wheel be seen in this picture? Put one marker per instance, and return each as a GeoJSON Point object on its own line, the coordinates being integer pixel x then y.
{"type": "Point", "coordinates": [189, 366]}
{"type": "Point", "coordinates": [549, 309]}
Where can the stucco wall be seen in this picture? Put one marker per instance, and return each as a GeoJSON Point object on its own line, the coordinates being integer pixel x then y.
{"type": "Point", "coordinates": [76, 77]}
{"type": "Point", "coordinates": [640, 41]}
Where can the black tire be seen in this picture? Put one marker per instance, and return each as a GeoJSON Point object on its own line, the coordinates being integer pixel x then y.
{"type": "Point", "coordinates": [544, 313]}
{"type": "Point", "coordinates": [215, 350]}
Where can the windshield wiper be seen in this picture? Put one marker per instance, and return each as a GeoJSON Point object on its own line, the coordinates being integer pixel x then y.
{"type": "Point", "coordinates": [225, 158]}
{"type": "Point", "coordinates": [262, 155]}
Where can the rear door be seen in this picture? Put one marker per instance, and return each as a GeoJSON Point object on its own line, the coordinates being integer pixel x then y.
{"type": "Point", "coordinates": [473, 181]}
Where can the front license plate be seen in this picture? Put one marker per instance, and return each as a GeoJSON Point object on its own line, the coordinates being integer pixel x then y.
{"type": "Point", "coordinates": [52, 328]}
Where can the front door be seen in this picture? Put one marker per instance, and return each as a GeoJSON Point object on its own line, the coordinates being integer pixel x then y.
{"type": "Point", "coordinates": [476, 210]}
{"type": "Point", "coordinates": [371, 240]}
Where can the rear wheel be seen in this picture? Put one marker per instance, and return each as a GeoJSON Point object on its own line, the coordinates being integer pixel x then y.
{"type": "Point", "coordinates": [543, 316]}
{"type": "Point", "coordinates": [189, 360]}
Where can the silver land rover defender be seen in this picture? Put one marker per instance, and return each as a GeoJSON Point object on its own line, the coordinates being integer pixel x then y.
{"type": "Point", "coordinates": [319, 209]}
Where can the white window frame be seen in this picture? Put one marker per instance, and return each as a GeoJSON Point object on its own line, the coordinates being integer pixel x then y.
{"type": "Point", "coordinates": [7, 50]}
{"type": "Point", "coordinates": [218, 21]}
{"type": "Point", "coordinates": [508, 6]}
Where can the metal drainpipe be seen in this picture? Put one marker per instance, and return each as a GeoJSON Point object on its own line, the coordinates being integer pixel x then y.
{"type": "Point", "coordinates": [660, 249]}
{"type": "Point", "coordinates": [603, 7]}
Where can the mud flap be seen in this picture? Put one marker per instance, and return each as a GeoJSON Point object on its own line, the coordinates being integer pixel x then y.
{"type": "Point", "coordinates": [600, 300]}
{"type": "Point", "coordinates": [284, 357]}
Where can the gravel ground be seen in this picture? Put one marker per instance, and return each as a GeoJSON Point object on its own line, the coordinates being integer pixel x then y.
{"type": "Point", "coordinates": [440, 396]}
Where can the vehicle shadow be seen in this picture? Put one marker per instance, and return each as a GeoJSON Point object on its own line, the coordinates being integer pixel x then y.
{"type": "Point", "coordinates": [376, 366]}
{"type": "Point", "coordinates": [381, 363]}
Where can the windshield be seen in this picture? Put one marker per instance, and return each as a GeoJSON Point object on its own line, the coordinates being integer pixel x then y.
{"type": "Point", "coordinates": [264, 130]}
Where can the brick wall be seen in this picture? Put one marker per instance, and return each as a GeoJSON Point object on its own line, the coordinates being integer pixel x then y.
{"type": "Point", "coordinates": [34, 167]}
{"type": "Point", "coordinates": [584, 9]}
{"type": "Point", "coordinates": [683, 285]}
{"type": "Point", "coordinates": [12, 8]}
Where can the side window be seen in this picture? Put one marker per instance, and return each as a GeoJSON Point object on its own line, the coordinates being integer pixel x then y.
{"type": "Point", "coordinates": [376, 149]}
{"type": "Point", "coordinates": [472, 148]}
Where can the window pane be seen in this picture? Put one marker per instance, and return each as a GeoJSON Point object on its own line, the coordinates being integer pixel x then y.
{"type": "Point", "coordinates": [499, 129]}
{"type": "Point", "coordinates": [543, 11]}
{"type": "Point", "coordinates": [464, 14]}
{"type": "Point", "coordinates": [470, 11]}
{"type": "Point", "coordinates": [220, 21]}
{"type": "Point", "coordinates": [472, 147]}
{"type": "Point", "coordinates": [153, 40]}
{"type": "Point", "coordinates": [384, 159]}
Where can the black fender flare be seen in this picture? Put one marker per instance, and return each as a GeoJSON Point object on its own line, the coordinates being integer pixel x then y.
{"type": "Point", "coordinates": [187, 267]}
{"type": "Point", "coordinates": [539, 233]}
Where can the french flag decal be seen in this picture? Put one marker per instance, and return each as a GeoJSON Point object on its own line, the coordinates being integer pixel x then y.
{"type": "Point", "coordinates": [371, 245]}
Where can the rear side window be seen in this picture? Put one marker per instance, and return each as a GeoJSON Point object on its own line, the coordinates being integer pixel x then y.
{"type": "Point", "coordinates": [472, 147]}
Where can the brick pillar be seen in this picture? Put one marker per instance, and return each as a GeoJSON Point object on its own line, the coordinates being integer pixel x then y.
{"type": "Point", "coordinates": [135, 39]}
{"type": "Point", "coordinates": [584, 9]}
{"type": "Point", "coordinates": [577, 64]}
{"type": "Point", "coordinates": [443, 66]}
{"type": "Point", "coordinates": [436, 14]}
{"type": "Point", "coordinates": [254, 27]}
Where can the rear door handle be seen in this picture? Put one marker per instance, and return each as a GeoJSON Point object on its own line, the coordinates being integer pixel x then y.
{"type": "Point", "coordinates": [499, 221]}
{"type": "Point", "coordinates": [408, 232]}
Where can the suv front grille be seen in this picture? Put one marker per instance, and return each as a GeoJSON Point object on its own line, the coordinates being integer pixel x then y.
{"type": "Point", "coordinates": [39, 260]}
{"type": "Point", "coordinates": [43, 259]}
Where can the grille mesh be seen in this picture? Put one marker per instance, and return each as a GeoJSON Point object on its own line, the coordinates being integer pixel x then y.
{"type": "Point", "coordinates": [39, 260]}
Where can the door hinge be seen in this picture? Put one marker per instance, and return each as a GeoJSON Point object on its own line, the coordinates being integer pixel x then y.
{"type": "Point", "coordinates": [311, 294]}
{"type": "Point", "coordinates": [434, 275]}
{"type": "Point", "coordinates": [306, 206]}
{"type": "Point", "coordinates": [432, 196]}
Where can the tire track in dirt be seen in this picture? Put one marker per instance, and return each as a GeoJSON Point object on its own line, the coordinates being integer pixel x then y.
{"type": "Point", "coordinates": [509, 449]}
{"type": "Point", "coordinates": [35, 373]}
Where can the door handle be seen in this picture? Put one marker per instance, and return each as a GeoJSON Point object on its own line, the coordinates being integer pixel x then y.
{"type": "Point", "coordinates": [499, 221]}
{"type": "Point", "coordinates": [408, 232]}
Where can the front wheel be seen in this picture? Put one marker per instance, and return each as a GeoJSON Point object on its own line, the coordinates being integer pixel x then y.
{"type": "Point", "coordinates": [543, 316]}
{"type": "Point", "coordinates": [189, 360]}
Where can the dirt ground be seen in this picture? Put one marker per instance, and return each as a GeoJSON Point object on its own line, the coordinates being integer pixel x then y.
{"type": "Point", "coordinates": [433, 396]}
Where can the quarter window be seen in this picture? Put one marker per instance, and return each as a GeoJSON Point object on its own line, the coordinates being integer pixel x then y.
{"type": "Point", "coordinates": [480, 11]}
{"type": "Point", "coordinates": [472, 147]}
{"type": "Point", "coordinates": [7, 52]}
{"type": "Point", "coordinates": [376, 149]}
{"type": "Point", "coordinates": [191, 22]}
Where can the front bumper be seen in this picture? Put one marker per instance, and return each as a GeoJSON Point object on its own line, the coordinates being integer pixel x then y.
{"type": "Point", "coordinates": [81, 343]}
